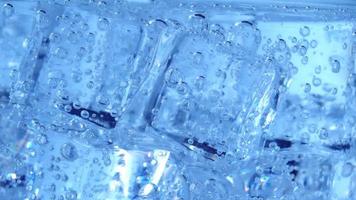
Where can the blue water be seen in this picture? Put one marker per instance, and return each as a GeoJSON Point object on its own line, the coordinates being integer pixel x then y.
{"type": "Point", "coordinates": [177, 100]}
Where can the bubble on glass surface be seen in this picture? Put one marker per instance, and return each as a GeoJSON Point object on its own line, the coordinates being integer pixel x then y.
{"type": "Point", "coordinates": [198, 23]}
{"type": "Point", "coordinates": [281, 45]}
{"type": "Point", "coordinates": [8, 10]}
{"type": "Point", "coordinates": [347, 169]}
{"type": "Point", "coordinates": [335, 65]}
{"type": "Point", "coordinates": [313, 44]}
{"type": "Point", "coordinates": [103, 24]}
{"type": "Point", "coordinates": [199, 82]}
{"type": "Point", "coordinates": [42, 139]}
{"type": "Point", "coordinates": [317, 69]}
{"type": "Point", "coordinates": [307, 88]}
{"type": "Point", "coordinates": [305, 60]}
{"type": "Point", "coordinates": [71, 195]}
{"type": "Point", "coordinates": [84, 114]}
{"type": "Point", "coordinates": [61, 52]}
{"type": "Point", "coordinates": [245, 34]}
{"type": "Point", "coordinates": [303, 50]}
{"type": "Point", "coordinates": [316, 81]}
{"type": "Point", "coordinates": [304, 31]}
{"type": "Point", "coordinates": [69, 152]}
{"type": "Point", "coordinates": [42, 18]}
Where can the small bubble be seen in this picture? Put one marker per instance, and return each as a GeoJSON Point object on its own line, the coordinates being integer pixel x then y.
{"type": "Point", "coordinates": [198, 22]}
{"type": "Point", "coordinates": [307, 88]}
{"type": "Point", "coordinates": [71, 195]}
{"type": "Point", "coordinates": [90, 85]}
{"type": "Point", "coordinates": [182, 88]}
{"type": "Point", "coordinates": [304, 31]}
{"type": "Point", "coordinates": [84, 114]}
{"type": "Point", "coordinates": [199, 82]}
{"type": "Point", "coordinates": [76, 105]}
{"type": "Point", "coordinates": [334, 91]}
{"type": "Point", "coordinates": [69, 152]}
{"type": "Point", "coordinates": [323, 134]}
{"type": "Point", "coordinates": [61, 53]}
{"type": "Point", "coordinates": [54, 37]}
{"type": "Point", "coordinates": [313, 44]}
{"type": "Point", "coordinates": [347, 169]}
{"type": "Point", "coordinates": [316, 81]}
{"type": "Point", "coordinates": [294, 70]}
{"type": "Point", "coordinates": [107, 161]}
{"type": "Point", "coordinates": [173, 77]}
{"type": "Point", "coordinates": [8, 10]}
{"type": "Point", "coordinates": [198, 57]}
{"type": "Point", "coordinates": [218, 31]}
{"type": "Point", "coordinates": [304, 43]}
{"type": "Point", "coordinates": [317, 69]}
{"type": "Point", "coordinates": [102, 4]}
{"type": "Point", "coordinates": [67, 108]}
{"type": "Point", "coordinates": [73, 37]}
{"type": "Point", "coordinates": [305, 60]}
{"type": "Point", "coordinates": [42, 139]}
{"type": "Point", "coordinates": [294, 49]}
{"type": "Point", "coordinates": [281, 45]}
{"type": "Point", "coordinates": [90, 38]}
{"type": "Point", "coordinates": [302, 50]}
{"type": "Point", "coordinates": [344, 46]}
{"type": "Point", "coordinates": [41, 18]}
{"type": "Point", "coordinates": [103, 24]}
{"type": "Point", "coordinates": [335, 65]}
{"type": "Point", "coordinates": [294, 40]}
{"type": "Point", "coordinates": [82, 52]}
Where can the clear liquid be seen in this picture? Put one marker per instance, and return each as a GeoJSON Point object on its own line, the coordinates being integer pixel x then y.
{"type": "Point", "coordinates": [177, 100]}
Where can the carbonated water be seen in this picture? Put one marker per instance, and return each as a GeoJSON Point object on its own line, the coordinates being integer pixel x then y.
{"type": "Point", "coordinates": [177, 100]}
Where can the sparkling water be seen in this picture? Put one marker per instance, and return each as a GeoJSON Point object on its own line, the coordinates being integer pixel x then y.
{"type": "Point", "coordinates": [177, 100]}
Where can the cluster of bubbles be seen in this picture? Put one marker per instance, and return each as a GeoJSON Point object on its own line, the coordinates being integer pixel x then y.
{"type": "Point", "coordinates": [116, 101]}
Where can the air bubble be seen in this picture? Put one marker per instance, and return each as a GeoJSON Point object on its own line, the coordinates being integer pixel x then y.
{"type": "Point", "coordinates": [173, 77]}
{"type": "Point", "coordinates": [302, 50]}
{"type": "Point", "coordinates": [323, 133]}
{"type": "Point", "coordinates": [347, 169]}
{"type": "Point", "coordinates": [103, 24]}
{"type": "Point", "coordinates": [8, 10]}
{"type": "Point", "coordinates": [199, 82]}
{"type": "Point", "coordinates": [198, 57]}
{"type": "Point", "coordinates": [305, 60]}
{"type": "Point", "coordinates": [281, 45]}
{"type": "Point", "coordinates": [67, 108]}
{"type": "Point", "coordinates": [42, 139]}
{"type": "Point", "coordinates": [90, 85]}
{"type": "Point", "coordinates": [307, 88]}
{"type": "Point", "coordinates": [41, 18]}
{"type": "Point", "coordinates": [304, 31]}
{"type": "Point", "coordinates": [84, 114]}
{"type": "Point", "coordinates": [335, 65]}
{"type": "Point", "coordinates": [55, 38]}
{"type": "Point", "coordinates": [198, 23]}
{"type": "Point", "coordinates": [218, 31]}
{"type": "Point", "coordinates": [294, 40]}
{"type": "Point", "coordinates": [344, 46]}
{"type": "Point", "coordinates": [69, 152]}
{"type": "Point", "coordinates": [316, 81]}
{"type": "Point", "coordinates": [317, 69]}
{"type": "Point", "coordinates": [313, 44]}
{"type": "Point", "coordinates": [61, 53]}
{"type": "Point", "coordinates": [71, 195]}
{"type": "Point", "coordinates": [182, 88]}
